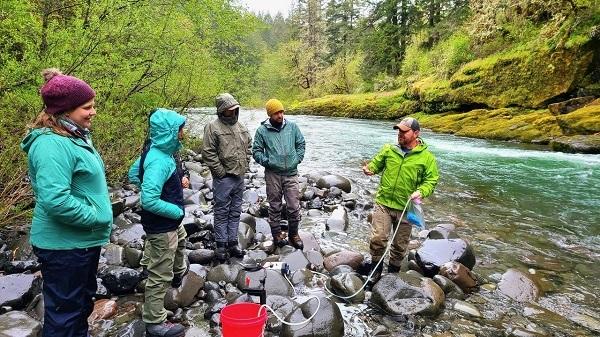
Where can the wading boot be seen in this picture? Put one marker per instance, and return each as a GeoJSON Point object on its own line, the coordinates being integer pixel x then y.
{"type": "Point", "coordinates": [278, 240]}
{"type": "Point", "coordinates": [221, 252]}
{"type": "Point", "coordinates": [296, 241]}
{"type": "Point", "coordinates": [165, 329]}
{"type": "Point", "coordinates": [235, 250]}
{"type": "Point", "coordinates": [393, 269]}
{"type": "Point", "coordinates": [376, 274]}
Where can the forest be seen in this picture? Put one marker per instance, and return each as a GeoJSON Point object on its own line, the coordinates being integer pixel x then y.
{"type": "Point", "coordinates": [354, 58]}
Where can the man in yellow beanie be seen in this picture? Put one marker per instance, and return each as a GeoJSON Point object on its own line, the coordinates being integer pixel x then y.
{"type": "Point", "coordinates": [279, 147]}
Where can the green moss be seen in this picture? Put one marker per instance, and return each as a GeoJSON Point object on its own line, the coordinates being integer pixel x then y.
{"type": "Point", "coordinates": [581, 121]}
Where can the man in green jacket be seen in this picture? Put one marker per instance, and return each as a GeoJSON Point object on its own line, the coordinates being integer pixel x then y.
{"type": "Point", "coordinates": [408, 170]}
{"type": "Point", "coordinates": [279, 147]}
{"type": "Point", "coordinates": [226, 152]}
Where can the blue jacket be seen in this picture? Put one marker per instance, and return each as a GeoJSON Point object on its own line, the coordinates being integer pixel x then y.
{"type": "Point", "coordinates": [156, 171]}
{"type": "Point", "coordinates": [72, 206]}
{"type": "Point", "coordinates": [279, 150]}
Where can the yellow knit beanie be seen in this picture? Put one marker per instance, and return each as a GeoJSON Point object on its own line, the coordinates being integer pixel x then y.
{"type": "Point", "coordinates": [273, 106]}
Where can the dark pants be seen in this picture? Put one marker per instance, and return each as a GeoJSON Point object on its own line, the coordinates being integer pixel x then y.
{"type": "Point", "coordinates": [286, 187]}
{"type": "Point", "coordinates": [228, 192]}
{"type": "Point", "coordinates": [69, 285]}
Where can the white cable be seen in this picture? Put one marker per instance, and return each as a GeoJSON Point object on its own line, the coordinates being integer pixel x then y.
{"type": "Point", "coordinates": [290, 282]}
{"type": "Point", "coordinates": [292, 323]}
{"type": "Point", "coordinates": [376, 266]}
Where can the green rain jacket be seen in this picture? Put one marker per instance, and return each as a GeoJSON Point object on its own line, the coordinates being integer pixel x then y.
{"type": "Point", "coordinates": [404, 174]}
{"type": "Point", "coordinates": [72, 208]}
{"type": "Point", "coordinates": [159, 164]}
{"type": "Point", "coordinates": [279, 150]}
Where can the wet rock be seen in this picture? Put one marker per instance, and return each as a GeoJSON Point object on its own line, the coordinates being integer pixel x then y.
{"type": "Point", "coordinates": [193, 198]}
{"type": "Point", "coordinates": [16, 267]}
{"type": "Point", "coordinates": [132, 201]}
{"type": "Point", "coordinates": [193, 166]}
{"type": "Point", "coordinates": [245, 235]}
{"type": "Point", "coordinates": [353, 259]}
{"type": "Point", "coordinates": [262, 226]}
{"type": "Point", "coordinates": [301, 277]}
{"type": "Point", "coordinates": [332, 180]}
{"type": "Point", "coordinates": [315, 258]}
{"type": "Point", "coordinates": [120, 280]}
{"type": "Point", "coordinates": [185, 295]}
{"type": "Point", "coordinates": [465, 308]}
{"type": "Point", "coordinates": [335, 192]}
{"type": "Point", "coordinates": [434, 253]}
{"type": "Point", "coordinates": [248, 219]}
{"type": "Point", "coordinates": [101, 291]}
{"type": "Point", "coordinates": [314, 213]}
{"type": "Point", "coordinates": [271, 280]}
{"type": "Point", "coordinates": [442, 231]}
{"type": "Point", "coordinates": [201, 256]}
{"type": "Point", "coordinates": [519, 286]}
{"type": "Point", "coordinates": [137, 328]}
{"type": "Point", "coordinates": [327, 323]}
{"type": "Point", "coordinates": [224, 273]}
{"type": "Point", "coordinates": [586, 321]}
{"type": "Point", "coordinates": [19, 324]}
{"type": "Point", "coordinates": [348, 284]}
{"type": "Point", "coordinates": [460, 275]}
{"type": "Point", "coordinates": [197, 332]}
{"type": "Point", "coordinates": [316, 203]}
{"type": "Point", "coordinates": [250, 196]}
{"type": "Point", "coordinates": [17, 290]}
{"type": "Point", "coordinates": [103, 309]}
{"type": "Point", "coordinates": [309, 240]}
{"type": "Point", "coordinates": [113, 254]}
{"type": "Point", "coordinates": [283, 306]}
{"type": "Point", "coordinates": [341, 269]}
{"type": "Point", "coordinates": [450, 288]}
{"type": "Point", "coordinates": [133, 217]}
{"type": "Point", "coordinates": [308, 194]}
{"type": "Point", "coordinates": [196, 181]}
{"type": "Point", "coordinates": [133, 233]}
{"type": "Point", "coordinates": [403, 294]}
{"type": "Point", "coordinates": [545, 263]}
{"type": "Point", "coordinates": [132, 256]}
{"type": "Point", "coordinates": [118, 206]}
{"type": "Point", "coordinates": [296, 260]}
{"type": "Point", "coordinates": [214, 308]}
{"type": "Point", "coordinates": [338, 221]}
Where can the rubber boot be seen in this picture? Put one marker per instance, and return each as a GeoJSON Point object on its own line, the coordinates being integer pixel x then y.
{"type": "Point", "coordinates": [278, 240]}
{"type": "Point", "coordinates": [235, 250]}
{"type": "Point", "coordinates": [221, 252]}
{"type": "Point", "coordinates": [393, 269]}
{"type": "Point", "coordinates": [296, 241]}
{"type": "Point", "coordinates": [376, 274]}
{"type": "Point", "coordinates": [178, 278]}
{"type": "Point", "coordinates": [165, 329]}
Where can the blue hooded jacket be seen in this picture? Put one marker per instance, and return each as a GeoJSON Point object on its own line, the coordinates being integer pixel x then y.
{"type": "Point", "coordinates": [155, 169]}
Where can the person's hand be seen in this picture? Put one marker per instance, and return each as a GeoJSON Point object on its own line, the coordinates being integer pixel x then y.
{"type": "Point", "coordinates": [366, 170]}
{"type": "Point", "coordinates": [416, 195]}
{"type": "Point", "coordinates": [185, 182]}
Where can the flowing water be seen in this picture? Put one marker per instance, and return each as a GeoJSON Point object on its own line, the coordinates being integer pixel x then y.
{"type": "Point", "coordinates": [520, 206]}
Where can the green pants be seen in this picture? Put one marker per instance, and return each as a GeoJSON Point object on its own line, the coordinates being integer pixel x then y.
{"type": "Point", "coordinates": [164, 255]}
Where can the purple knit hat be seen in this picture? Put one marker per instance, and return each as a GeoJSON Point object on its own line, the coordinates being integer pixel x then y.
{"type": "Point", "coordinates": [62, 93]}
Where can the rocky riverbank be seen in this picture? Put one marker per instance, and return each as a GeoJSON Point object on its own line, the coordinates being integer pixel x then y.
{"type": "Point", "coordinates": [437, 293]}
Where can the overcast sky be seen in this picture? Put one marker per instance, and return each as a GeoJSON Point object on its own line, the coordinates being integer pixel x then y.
{"type": "Point", "coordinates": [268, 6]}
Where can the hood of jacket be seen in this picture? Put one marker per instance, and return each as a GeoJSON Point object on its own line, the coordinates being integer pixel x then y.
{"type": "Point", "coordinates": [32, 136]}
{"type": "Point", "coordinates": [224, 102]}
{"type": "Point", "coordinates": [164, 127]}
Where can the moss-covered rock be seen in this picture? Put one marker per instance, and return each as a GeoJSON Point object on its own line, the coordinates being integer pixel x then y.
{"type": "Point", "coordinates": [584, 121]}
{"type": "Point", "coordinates": [528, 79]}
{"type": "Point", "coordinates": [577, 144]}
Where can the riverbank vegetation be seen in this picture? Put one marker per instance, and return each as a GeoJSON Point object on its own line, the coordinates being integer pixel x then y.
{"type": "Point", "coordinates": [477, 68]}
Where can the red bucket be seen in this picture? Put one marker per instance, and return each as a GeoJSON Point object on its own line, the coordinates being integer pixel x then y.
{"type": "Point", "coordinates": [242, 319]}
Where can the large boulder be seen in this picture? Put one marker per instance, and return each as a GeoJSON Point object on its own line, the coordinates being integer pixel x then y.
{"type": "Point", "coordinates": [338, 221]}
{"type": "Point", "coordinates": [19, 324]}
{"type": "Point", "coordinates": [185, 295]}
{"type": "Point", "coordinates": [227, 273]}
{"type": "Point", "coordinates": [434, 253]}
{"type": "Point", "coordinates": [271, 281]}
{"type": "Point", "coordinates": [348, 284]}
{"type": "Point", "coordinates": [460, 275]}
{"type": "Point", "coordinates": [120, 280]}
{"type": "Point", "coordinates": [353, 259]}
{"type": "Point", "coordinates": [404, 294]}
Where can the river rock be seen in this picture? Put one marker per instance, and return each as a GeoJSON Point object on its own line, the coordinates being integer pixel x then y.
{"type": "Point", "coordinates": [245, 235]}
{"type": "Point", "coordinates": [309, 240]}
{"type": "Point", "coordinates": [118, 206]}
{"type": "Point", "coordinates": [348, 284]}
{"type": "Point", "coordinates": [519, 286]}
{"type": "Point", "coordinates": [442, 231]}
{"type": "Point", "coordinates": [19, 324]}
{"type": "Point", "coordinates": [113, 254]}
{"type": "Point", "coordinates": [201, 256]}
{"type": "Point", "coordinates": [250, 196]}
{"type": "Point", "coordinates": [132, 201]}
{"type": "Point", "coordinates": [338, 221]}
{"type": "Point", "coordinates": [196, 181]}
{"type": "Point", "coordinates": [227, 273]}
{"type": "Point", "coordinates": [460, 275]}
{"type": "Point", "coordinates": [132, 256]}
{"type": "Point", "coordinates": [450, 288]}
{"type": "Point", "coordinates": [185, 295]}
{"type": "Point", "coordinates": [296, 260]}
{"type": "Point", "coordinates": [248, 219]}
{"type": "Point", "coordinates": [193, 166]}
{"type": "Point", "coordinates": [17, 290]}
{"type": "Point", "coordinates": [403, 294]}
{"type": "Point", "coordinates": [133, 217]}
{"type": "Point", "coordinates": [120, 280]}
{"type": "Point", "coordinates": [569, 105]}
{"type": "Point", "coordinates": [283, 306]}
{"type": "Point", "coordinates": [341, 269]}
{"type": "Point", "coordinates": [353, 259]}
{"type": "Point", "coordinates": [434, 253]}
{"type": "Point", "coordinates": [332, 180]}
{"type": "Point", "coordinates": [103, 309]}
{"type": "Point", "coordinates": [327, 323]}
{"type": "Point", "coordinates": [315, 258]}
{"type": "Point", "coordinates": [136, 328]}
{"type": "Point", "coordinates": [465, 308]}
{"type": "Point", "coordinates": [133, 233]}
{"type": "Point", "coordinates": [273, 282]}
{"type": "Point", "coordinates": [16, 267]}
{"type": "Point", "coordinates": [586, 321]}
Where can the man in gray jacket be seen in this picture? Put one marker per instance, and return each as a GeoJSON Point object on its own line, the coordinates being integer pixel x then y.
{"type": "Point", "coordinates": [226, 151]}
{"type": "Point", "coordinates": [279, 147]}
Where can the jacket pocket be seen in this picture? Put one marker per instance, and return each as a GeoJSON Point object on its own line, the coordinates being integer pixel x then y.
{"type": "Point", "coordinates": [102, 209]}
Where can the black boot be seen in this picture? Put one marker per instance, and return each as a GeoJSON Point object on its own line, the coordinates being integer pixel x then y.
{"type": "Point", "coordinates": [278, 240]}
{"type": "Point", "coordinates": [376, 274]}
{"type": "Point", "coordinates": [235, 250]}
{"type": "Point", "coordinates": [296, 241]}
{"type": "Point", "coordinates": [221, 252]}
{"type": "Point", "coordinates": [178, 278]}
{"type": "Point", "coordinates": [393, 269]}
{"type": "Point", "coordinates": [166, 329]}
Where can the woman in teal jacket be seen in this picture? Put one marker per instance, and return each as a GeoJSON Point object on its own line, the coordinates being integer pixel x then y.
{"type": "Point", "coordinates": [73, 216]}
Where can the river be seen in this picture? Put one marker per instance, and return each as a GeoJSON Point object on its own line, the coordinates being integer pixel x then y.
{"type": "Point", "coordinates": [520, 206]}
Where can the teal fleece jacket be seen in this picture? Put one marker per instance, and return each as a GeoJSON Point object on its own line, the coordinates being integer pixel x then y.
{"type": "Point", "coordinates": [73, 208]}
{"type": "Point", "coordinates": [279, 150]}
{"type": "Point", "coordinates": [159, 164]}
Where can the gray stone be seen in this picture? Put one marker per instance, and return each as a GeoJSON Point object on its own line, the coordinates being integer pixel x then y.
{"type": "Point", "coordinates": [201, 256]}
{"type": "Point", "coordinates": [434, 253]}
{"type": "Point", "coordinates": [224, 273]}
{"type": "Point", "coordinates": [17, 290]}
{"type": "Point", "coordinates": [403, 294]}
{"type": "Point", "coordinates": [113, 254]}
{"type": "Point", "coordinates": [348, 284]}
{"type": "Point", "coordinates": [338, 221]}
{"type": "Point", "coordinates": [132, 201]}
{"type": "Point", "coordinates": [120, 280]}
{"type": "Point", "coordinates": [465, 308]}
{"type": "Point", "coordinates": [327, 323]}
{"type": "Point", "coordinates": [519, 286]}
{"type": "Point", "coordinates": [19, 324]}
{"type": "Point", "coordinates": [185, 295]}
{"type": "Point", "coordinates": [338, 181]}
{"type": "Point", "coordinates": [353, 259]}
{"type": "Point", "coordinates": [245, 235]}
{"type": "Point", "coordinates": [296, 260]}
